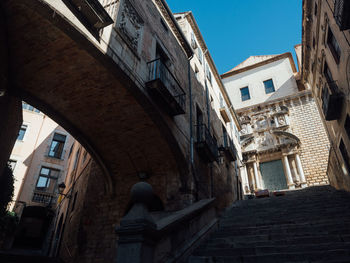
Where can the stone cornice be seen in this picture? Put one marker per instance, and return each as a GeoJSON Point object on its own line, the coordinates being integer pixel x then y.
{"type": "Point", "coordinates": [262, 63]}
{"type": "Point", "coordinates": [169, 17]}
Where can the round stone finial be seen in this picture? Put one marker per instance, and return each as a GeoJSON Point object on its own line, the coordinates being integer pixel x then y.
{"type": "Point", "coordinates": [141, 192]}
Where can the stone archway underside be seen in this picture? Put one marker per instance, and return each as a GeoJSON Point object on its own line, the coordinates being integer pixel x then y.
{"type": "Point", "coordinates": [89, 96]}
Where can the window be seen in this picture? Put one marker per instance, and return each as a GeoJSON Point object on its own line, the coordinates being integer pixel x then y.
{"type": "Point", "coordinates": [224, 135]}
{"type": "Point", "coordinates": [47, 179]}
{"type": "Point", "coordinates": [208, 73]}
{"type": "Point", "coordinates": [325, 98]}
{"type": "Point", "coordinates": [196, 72]}
{"type": "Point", "coordinates": [12, 164]}
{"type": "Point", "coordinates": [333, 46]}
{"type": "Point", "coordinates": [22, 132]}
{"type": "Point", "coordinates": [57, 145]}
{"type": "Point", "coordinates": [245, 94]}
{"type": "Point", "coordinates": [327, 73]}
{"type": "Point", "coordinates": [345, 155]}
{"type": "Point", "coordinates": [76, 159]}
{"type": "Point", "coordinates": [269, 87]}
{"type": "Point", "coordinates": [200, 55]}
{"type": "Point", "coordinates": [84, 156]}
{"type": "Point", "coordinates": [26, 106]}
{"type": "Point", "coordinates": [221, 99]}
{"type": "Point", "coordinates": [347, 125]}
{"type": "Point", "coordinates": [193, 41]}
{"type": "Point", "coordinates": [315, 9]}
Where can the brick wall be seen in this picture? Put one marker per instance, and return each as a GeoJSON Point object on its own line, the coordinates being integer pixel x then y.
{"type": "Point", "coordinates": [307, 125]}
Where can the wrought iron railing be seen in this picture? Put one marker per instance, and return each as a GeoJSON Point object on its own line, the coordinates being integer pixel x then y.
{"type": "Point", "coordinates": [203, 136]}
{"type": "Point", "coordinates": [159, 71]}
{"type": "Point", "coordinates": [44, 198]}
{"type": "Point", "coordinates": [342, 13]}
{"type": "Point", "coordinates": [111, 7]}
{"type": "Point", "coordinates": [229, 147]}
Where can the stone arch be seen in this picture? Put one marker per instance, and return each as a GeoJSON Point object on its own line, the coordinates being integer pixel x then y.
{"type": "Point", "coordinates": [101, 108]}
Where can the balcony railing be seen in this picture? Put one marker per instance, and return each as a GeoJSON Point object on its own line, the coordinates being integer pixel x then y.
{"type": "Point", "coordinates": [90, 12]}
{"type": "Point", "coordinates": [342, 14]}
{"type": "Point", "coordinates": [229, 149]}
{"type": "Point", "coordinates": [206, 144]}
{"type": "Point", "coordinates": [332, 101]}
{"type": "Point", "coordinates": [43, 198]}
{"type": "Point", "coordinates": [163, 85]}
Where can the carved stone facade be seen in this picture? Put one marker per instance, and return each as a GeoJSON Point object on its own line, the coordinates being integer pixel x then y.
{"type": "Point", "coordinates": [268, 135]}
{"type": "Point", "coordinates": [284, 144]}
{"type": "Point", "coordinates": [129, 24]}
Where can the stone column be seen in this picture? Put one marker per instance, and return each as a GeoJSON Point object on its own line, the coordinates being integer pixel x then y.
{"type": "Point", "coordinates": [256, 176]}
{"type": "Point", "coordinates": [300, 171]}
{"type": "Point", "coordinates": [290, 182]}
{"type": "Point", "coordinates": [276, 121]}
{"type": "Point", "coordinates": [246, 180]}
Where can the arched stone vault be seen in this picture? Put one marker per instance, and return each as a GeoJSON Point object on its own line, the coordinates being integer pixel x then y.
{"type": "Point", "coordinates": [55, 68]}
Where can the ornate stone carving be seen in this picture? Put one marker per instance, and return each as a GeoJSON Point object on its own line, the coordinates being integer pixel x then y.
{"type": "Point", "coordinates": [281, 120]}
{"type": "Point", "coordinates": [129, 23]}
{"type": "Point", "coordinates": [267, 130]}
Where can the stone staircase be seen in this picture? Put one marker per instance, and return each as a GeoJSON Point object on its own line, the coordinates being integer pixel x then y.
{"type": "Point", "coordinates": [309, 225]}
{"type": "Point", "coordinates": [21, 258]}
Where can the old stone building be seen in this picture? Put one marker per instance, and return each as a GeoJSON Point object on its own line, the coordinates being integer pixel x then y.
{"type": "Point", "coordinates": [142, 95]}
{"type": "Point", "coordinates": [284, 143]}
{"type": "Point", "coordinates": [326, 71]}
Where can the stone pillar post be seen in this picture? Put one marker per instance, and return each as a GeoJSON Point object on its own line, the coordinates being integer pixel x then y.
{"type": "Point", "coordinates": [290, 182]}
{"type": "Point", "coordinates": [256, 176]}
{"type": "Point", "coordinates": [137, 229]}
{"type": "Point", "coordinates": [300, 171]}
{"type": "Point", "coordinates": [276, 121]}
{"type": "Point", "coordinates": [246, 180]}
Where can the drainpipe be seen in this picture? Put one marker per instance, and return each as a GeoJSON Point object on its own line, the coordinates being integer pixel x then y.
{"type": "Point", "coordinates": [193, 170]}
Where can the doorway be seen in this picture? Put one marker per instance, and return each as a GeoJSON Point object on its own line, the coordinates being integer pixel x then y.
{"type": "Point", "coordinates": [273, 175]}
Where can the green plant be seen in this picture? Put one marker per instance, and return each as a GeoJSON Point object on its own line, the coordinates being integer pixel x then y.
{"type": "Point", "coordinates": [6, 189]}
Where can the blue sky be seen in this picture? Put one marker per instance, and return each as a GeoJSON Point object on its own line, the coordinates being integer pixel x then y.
{"type": "Point", "coordinates": [237, 29]}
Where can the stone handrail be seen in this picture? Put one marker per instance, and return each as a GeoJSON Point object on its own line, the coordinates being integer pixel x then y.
{"type": "Point", "coordinates": [169, 239]}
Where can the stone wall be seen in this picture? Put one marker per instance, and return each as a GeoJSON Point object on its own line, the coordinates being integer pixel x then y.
{"type": "Point", "coordinates": [307, 125]}
{"type": "Point", "coordinates": [318, 25]}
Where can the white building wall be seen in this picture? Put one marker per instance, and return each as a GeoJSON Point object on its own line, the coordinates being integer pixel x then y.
{"type": "Point", "coordinates": [31, 154]}
{"type": "Point", "coordinates": [279, 71]}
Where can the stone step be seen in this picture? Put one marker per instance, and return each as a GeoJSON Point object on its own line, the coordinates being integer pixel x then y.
{"type": "Point", "coordinates": [267, 248]}
{"type": "Point", "coordinates": [331, 256]}
{"type": "Point", "coordinates": [265, 227]}
{"type": "Point", "coordinates": [287, 229]}
{"type": "Point", "coordinates": [265, 240]}
{"type": "Point", "coordinates": [310, 225]}
{"type": "Point", "coordinates": [14, 258]}
{"type": "Point", "coordinates": [256, 221]}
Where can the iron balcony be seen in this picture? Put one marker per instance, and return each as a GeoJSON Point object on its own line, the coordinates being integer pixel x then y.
{"type": "Point", "coordinates": [229, 149]}
{"type": "Point", "coordinates": [206, 144]}
{"type": "Point", "coordinates": [165, 88]}
{"type": "Point", "coordinates": [342, 14]}
{"type": "Point", "coordinates": [90, 12]}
